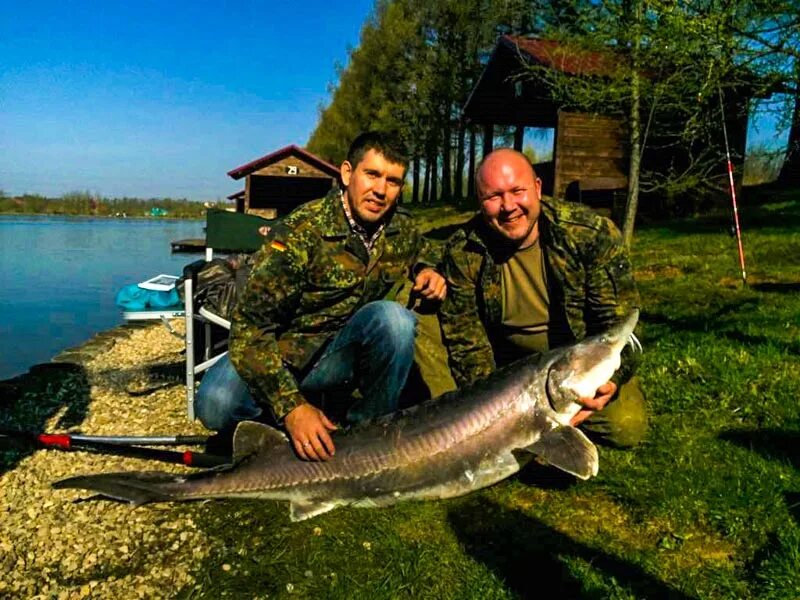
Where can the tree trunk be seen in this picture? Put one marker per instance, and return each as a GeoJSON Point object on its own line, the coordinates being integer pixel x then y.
{"type": "Point", "coordinates": [459, 174]}
{"type": "Point", "coordinates": [447, 179]}
{"type": "Point", "coordinates": [426, 190]}
{"type": "Point", "coordinates": [632, 203]}
{"type": "Point", "coordinates": [488, 138]}
{"type": "Point", "coordinates": [434, 160]}
{"type": "Point", "coordinates": [635, 139]}
{"type": "Point", "coordinates": [519, 137]}
{"type": "Point", "coordinates": [790, 171]}
{"type": "Point", "coordinates": [472, 166]}
{"type": "Point", "coordinates": [415, 179]}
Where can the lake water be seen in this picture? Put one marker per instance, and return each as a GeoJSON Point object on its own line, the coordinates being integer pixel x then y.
{"type": "Point", "coordinates": [59, 277]}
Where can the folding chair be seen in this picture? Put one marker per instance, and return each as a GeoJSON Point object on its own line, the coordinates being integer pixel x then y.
{"type": "Point", "coordinates": [206, 329]}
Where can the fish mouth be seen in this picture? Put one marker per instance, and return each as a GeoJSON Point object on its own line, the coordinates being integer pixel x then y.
{"type": "Point", "coordinates": [622, 333]}
{"type": "Point", "coordinates": [583, 368]}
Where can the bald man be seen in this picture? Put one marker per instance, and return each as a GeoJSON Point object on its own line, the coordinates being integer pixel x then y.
{"type": "Point", "coordinates": [526, 275]}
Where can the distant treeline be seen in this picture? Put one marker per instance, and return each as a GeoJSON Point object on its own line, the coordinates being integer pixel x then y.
{"type": "Point", "coordinates": [85, 203]}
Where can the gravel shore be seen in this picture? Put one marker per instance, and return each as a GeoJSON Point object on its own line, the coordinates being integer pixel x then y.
{"type": "Point", "coordinates": [127, 381]}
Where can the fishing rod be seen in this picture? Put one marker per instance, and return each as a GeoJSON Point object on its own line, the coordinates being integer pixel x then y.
{"type": "Point", "coordinates": [142, 440]}
{"type": "Point", "coordinates": [127, 446]}
{"type": "Point", "coordinates": [732, 187]}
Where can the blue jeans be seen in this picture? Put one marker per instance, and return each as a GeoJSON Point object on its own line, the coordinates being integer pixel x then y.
{"type": "Point", "coordinates": [373, 353]}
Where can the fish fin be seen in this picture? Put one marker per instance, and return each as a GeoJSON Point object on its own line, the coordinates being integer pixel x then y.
{"type": "Point", "coordinates": [300, 511]}
{"type": "Point", "coordinates": [251, 437]}
{"type": "Point", "coordinates": [568, 449]}
{"type": "Point", "coordinates": [136, 487]}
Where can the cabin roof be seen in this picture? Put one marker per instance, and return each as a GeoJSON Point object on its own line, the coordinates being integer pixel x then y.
{"type": "Point", "coordinates": [274, 157]}
{"type": "Point", "coordinates": [553, 54]}
{"type": "Point", "coordinates": [500, 96]}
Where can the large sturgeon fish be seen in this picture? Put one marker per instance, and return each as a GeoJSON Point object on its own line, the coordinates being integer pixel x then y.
{"type": "Point", "coordinates": [446, 447]}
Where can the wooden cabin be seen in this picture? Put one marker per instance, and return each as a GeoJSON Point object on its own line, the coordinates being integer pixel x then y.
{"type": "Point", "coordinates": [238, 198]}
{"type": "Point", "coordinates": [591, 151]}
{"type": "Point", "coordinates": [277, 183]}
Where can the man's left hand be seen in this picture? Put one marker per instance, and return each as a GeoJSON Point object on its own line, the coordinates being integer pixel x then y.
{"type": "Point", "coordinates": [602, 397]}
{"type": "Point", "coordinates": [430, 285]}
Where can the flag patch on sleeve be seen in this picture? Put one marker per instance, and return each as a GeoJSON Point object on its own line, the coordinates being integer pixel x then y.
{"type": "Point", "coordinates": [277, 245]}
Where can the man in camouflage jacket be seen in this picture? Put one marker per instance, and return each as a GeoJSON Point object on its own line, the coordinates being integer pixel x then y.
{"type": "Point", "coordinates": [316, 315]}
{"type": "Point", "coordinates": [586, 285]}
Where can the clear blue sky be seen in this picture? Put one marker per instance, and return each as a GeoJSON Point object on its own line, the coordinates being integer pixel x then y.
{"type": "Point", "coordinates": [161, 98]}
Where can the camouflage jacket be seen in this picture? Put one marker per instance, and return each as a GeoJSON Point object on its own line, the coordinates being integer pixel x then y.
{"type": "Point", "coordinates": [307, 280]}
{"type": "Point", "coordinates": [589, 277]}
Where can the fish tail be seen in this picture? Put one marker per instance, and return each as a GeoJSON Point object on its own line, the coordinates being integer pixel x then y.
{"type": "Point", "coordinates": [133, 487]}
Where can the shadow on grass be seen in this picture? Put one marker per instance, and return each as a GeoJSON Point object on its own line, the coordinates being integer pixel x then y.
{"type": "Point", "coordinates": [753, 214]}
{"type": "Point", "coordinates": [705, 321]}
{"type": "Point", "coordinates": [774, 444]}
{"type": "Point", "coordinates": [529, 556]}
{"type": "Point", "coordinates": [777, 287]}
{"type": "Point", "coordinates": [777, 444]}
{"type": "Point", "coordinates": [32, 399]}
{"type": "Point", "coordinates": [545, 477]}
{"type": "Point", "coordinates": [714, 322]}
{"type": "Point", "coordinates": [793, 504]}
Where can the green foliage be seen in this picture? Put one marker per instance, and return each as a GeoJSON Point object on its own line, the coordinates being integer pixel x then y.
{"type": "Point", "coordinates": [411, 73]}
{"type": "Point", "coordinates": [674, 62]}
{"type": "Point", "coordinates": [418, 61]}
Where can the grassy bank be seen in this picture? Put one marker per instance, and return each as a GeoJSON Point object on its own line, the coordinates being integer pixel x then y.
{"type": "Point", "coordinates": [708, 507]}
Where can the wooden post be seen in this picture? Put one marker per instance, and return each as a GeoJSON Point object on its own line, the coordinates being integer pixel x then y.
{"type": "Point", "coordinates": [519, 135]}
{"type": "Point", "coordinates": [459, 173]}
{"type": "Point", "coordinates": [415, 179]}
{"type": "Point", "coordinates": [488, 138]}
{"type": "Point", "coordinates": [472, 166]}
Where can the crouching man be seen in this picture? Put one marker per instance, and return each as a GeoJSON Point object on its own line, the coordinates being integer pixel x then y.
{"type": "Point", "coordinates": [525, 276]}
{"type": "Point", "coordinates": [313, 324]}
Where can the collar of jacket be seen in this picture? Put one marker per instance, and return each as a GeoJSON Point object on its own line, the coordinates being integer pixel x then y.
{"type": "Point", "coordinates": [482, 240]}
{"type": "Point", "coordinates": [333, 222]}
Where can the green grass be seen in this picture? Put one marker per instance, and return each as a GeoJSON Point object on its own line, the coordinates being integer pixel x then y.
{"type": "Point", "coordinates": [706, 508]}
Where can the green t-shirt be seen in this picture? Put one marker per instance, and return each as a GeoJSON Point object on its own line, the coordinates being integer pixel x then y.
{"type": "Point", "coordinates": [525, 302]}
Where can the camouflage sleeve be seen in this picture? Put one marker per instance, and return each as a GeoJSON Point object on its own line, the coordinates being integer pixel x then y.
{"type": "Point", "coordinates": [268, 300]}
{"type": "Point", "coordinates": [611, 291]}
{"type": "Point", "coordinates": [429, 255]}
{"type": "Point", "coordinates": [463, 333]}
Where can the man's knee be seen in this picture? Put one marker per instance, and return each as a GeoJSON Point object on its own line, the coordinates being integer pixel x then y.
{"type": "Point", "coordinates": [223, 397]}
{"type": "Point", "coordinates": [210, 409]}
{"type": "Point", "coordinates": [390, 322]}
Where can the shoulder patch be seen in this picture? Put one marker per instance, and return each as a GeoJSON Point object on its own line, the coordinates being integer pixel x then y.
{"type": "Point", "coordinates": [277, 245]}
{"type": "Point", "coordinates": [573, 214]}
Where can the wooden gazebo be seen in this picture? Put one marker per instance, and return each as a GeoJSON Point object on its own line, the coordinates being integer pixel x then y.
{"type": "Point", "coordinates": [280, 181]}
